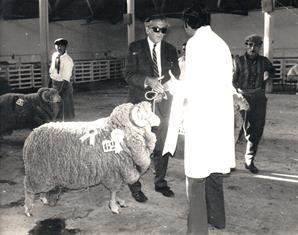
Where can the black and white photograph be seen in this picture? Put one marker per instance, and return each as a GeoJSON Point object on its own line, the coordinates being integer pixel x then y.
{"type": "Point", "coordinates": [148, 117]}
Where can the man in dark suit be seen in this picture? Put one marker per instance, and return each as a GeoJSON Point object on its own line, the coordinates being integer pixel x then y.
{"type": "Point", "coordinates": [148, 63]}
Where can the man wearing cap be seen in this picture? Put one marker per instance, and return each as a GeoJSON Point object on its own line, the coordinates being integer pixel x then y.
{"type": "Point", "coordinates": [251, 72]}
{"type": "Point", "coordinates": [61, 73]}
{"type": "Point", "coordinates": [147, 70]}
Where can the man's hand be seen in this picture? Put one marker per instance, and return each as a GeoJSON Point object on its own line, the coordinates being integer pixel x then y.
{"type": "Point", "coordinates": [174, 86]}
{"type": "Point", "coordinates": [159, 97]}
{"type": "Point", "coordinates": [155, 84]}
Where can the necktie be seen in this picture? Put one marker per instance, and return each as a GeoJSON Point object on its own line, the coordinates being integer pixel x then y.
{"type": "Point", "coordinates": [154, 59]}
{"type": "Point", "coordinates": [57, 64]}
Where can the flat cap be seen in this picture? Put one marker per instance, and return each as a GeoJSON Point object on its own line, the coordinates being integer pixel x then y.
{"type": "Point", "coordinates": [61, 41]}
{"type": "Point", "coordinates": [254, 39]}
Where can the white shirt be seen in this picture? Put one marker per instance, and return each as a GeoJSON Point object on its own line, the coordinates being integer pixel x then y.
{"type": "Point", "coordinates": [209, 117]}
{"type": "Point", "coordinates": [157, 50]}
{"type": "Point", "coordinates": [66, 67]}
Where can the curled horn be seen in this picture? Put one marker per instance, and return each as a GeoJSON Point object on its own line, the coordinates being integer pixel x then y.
{"type": "Point", "coordinates": [43, 94]}
{"type": "Point", "coordinates": [136, 118]}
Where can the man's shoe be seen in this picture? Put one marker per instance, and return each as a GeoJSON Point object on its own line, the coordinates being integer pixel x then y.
{"type": "Point", "coordinates": [166, 191]}
{"type": "Point", "coordinates": [213, 227]}
{"type": "Point", "coordinates": [252, 168]}
{"type": "Point", "coordinates": [233, 169]}
{"type": "Point", "coordinates": [216, 223]}
{"type": "Point", "coordinates": [139, 196]}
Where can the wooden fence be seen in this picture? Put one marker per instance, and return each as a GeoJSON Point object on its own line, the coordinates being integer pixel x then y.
{"type": "Point", "coordinates": [26, 76]}
{"type": "Point", "coordinates": [282, 66]}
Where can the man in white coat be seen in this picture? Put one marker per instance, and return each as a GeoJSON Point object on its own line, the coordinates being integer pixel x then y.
{"type": "Point", "coordinates": [209, 121]}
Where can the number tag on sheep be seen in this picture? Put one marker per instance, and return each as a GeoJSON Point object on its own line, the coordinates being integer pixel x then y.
{"type": "Point", "coordinates": [20, 102]}
{"type": "Point", "coordinates": [117, 136]}
{"type": "Point", "coordinates": [112, 145]}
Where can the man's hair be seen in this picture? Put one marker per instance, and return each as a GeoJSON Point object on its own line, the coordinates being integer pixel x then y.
{"type": "Point", "coordinates": [154, 17]}
{"type": "Point", "coordinates": [196, 16]}
{"type": "Point", "coordinates": [258, 40]}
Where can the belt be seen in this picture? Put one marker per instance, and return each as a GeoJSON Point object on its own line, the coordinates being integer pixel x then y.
{"type": "Point", "coordinates": [250, 91]}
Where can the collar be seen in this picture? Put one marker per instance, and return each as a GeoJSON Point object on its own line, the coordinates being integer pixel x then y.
{"type": "Point", "coordinates": [203, 29]}
{"type": "Point", "coordinates": [64, 55]}
{"type": "Point", "coordinates": [151, 44]}
{"type": "Point", "coordinates": [247, 57]}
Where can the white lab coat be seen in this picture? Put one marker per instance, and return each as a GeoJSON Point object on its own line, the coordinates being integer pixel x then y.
{"type": "Point", "coordinates": [177, 110]}
{"type": "Point", "coordinates": [209, 117]}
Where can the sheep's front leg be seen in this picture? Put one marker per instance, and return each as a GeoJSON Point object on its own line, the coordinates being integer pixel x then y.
{"type": "Point", "coordinates": [51, 197]}
{"type": "Point", "coordinates": [44, 199]}
{"type": "Point", "coordinates": [113, 203]}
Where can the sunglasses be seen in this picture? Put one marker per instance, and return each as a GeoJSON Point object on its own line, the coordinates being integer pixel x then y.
{"type": "Point", "coordinates": [159, 30]}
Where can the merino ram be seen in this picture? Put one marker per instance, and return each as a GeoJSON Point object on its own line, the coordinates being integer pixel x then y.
{"type": "Point", "coordinates": [111, 151]}
{"type": "Point", "coordinates": [27, 111]}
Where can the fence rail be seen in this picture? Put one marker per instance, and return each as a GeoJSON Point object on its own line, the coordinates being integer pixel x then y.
{"type": "Point", "coordinates": [28, 75]}
{"type": "Point", "coordinates": [282, 66]}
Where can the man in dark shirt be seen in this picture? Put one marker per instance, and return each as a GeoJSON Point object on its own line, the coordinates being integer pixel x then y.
{"type": "Point", "coordinates": [251, 72]}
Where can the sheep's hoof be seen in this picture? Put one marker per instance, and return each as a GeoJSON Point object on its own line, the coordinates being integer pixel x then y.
{"type": "Point", "coordinates": [27, 213]}
{"type": "Point", "coordinates": [114, 208]}
{"type": "Point", "coordinates": [121, 203]}
{"type": "Point", "coordinates": [50, 198]}
{"type": "Point", "coordinates": [44, 200]}
{"type": "Point", "coordinates": [116, 212]}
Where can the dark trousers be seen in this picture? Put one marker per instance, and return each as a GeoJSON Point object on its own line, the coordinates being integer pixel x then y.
{"type": "Point", "coordinates": [206, 204]}
{"type": "Point", "coordinates": [160, 166]}
{"type": "Point", "coordinates": [254, 123]}
{"type": "Point", "coordinates": [66, 106]}
{"type": "Point", "coordinates": [162, 110]}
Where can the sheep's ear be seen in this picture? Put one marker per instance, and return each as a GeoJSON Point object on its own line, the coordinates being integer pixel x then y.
{"type": "Point", "coordinates": [136, 118]}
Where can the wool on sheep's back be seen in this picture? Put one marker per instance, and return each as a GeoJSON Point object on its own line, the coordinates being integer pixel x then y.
{"type": "Point", "coordinates": [70, 162]}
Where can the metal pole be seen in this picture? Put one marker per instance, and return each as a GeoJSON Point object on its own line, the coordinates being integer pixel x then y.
{"type": "Point", "coordinates": [268, 38]}
{"type": "Point", "coordinates": [131, 25]}
{"type": "Point", "coordinates": [268, 44]}
{"type": "Point", "coordinates": [44, 41]}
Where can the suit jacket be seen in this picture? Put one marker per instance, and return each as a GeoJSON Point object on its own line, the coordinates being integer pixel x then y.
{"type": "Point", "coordinates": [139, 65]}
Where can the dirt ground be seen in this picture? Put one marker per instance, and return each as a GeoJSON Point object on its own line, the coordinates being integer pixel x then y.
{"type": "Point", "coordinates": [266, 203]}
